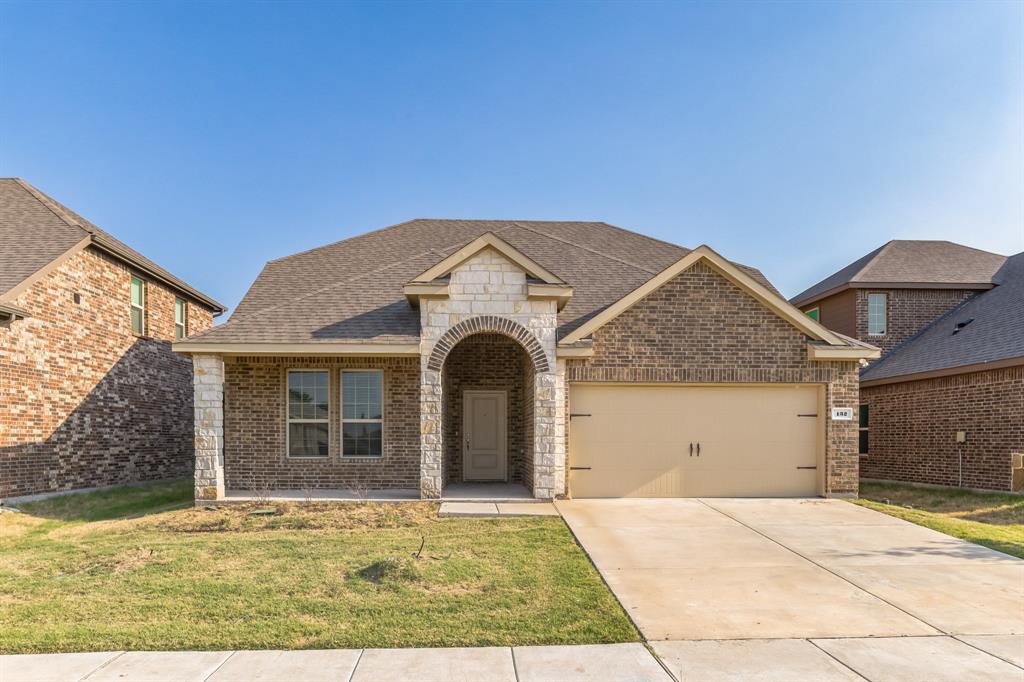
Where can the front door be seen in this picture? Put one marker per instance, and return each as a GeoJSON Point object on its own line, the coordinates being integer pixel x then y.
{"type": "Point", "coordinates": [484, 437]}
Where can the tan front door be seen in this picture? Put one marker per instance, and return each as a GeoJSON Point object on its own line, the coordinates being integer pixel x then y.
{"type": "Point", "coordinates": [694, 441]}
{"type": "Point", "coordinates": [484, 437]}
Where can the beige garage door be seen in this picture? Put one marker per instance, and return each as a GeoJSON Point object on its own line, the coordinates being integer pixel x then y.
{"type": "Point", "coordinates": [690, 441]}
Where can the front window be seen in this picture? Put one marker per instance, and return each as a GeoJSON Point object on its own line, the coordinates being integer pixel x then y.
{"type": "Point", "coordinates": [307, 413]}
{"type": "Point", "coordinates": [180, 318]}
{"type": "Point", "coordinates": [138, 306]}
{"type": "Point", "coordinates": [863, 430]}
{"type": "Point", "coordinates": [362, 414]}
{"type": "Point", "coordinates": [876, 314]}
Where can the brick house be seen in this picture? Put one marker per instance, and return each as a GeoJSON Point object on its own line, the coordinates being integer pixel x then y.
{"type": "Point", "coordinates": [555, 358]}
{"type": "Point", "coordinates": [945, 403]}
{"type": "Point", "coordinates": [90, 392]}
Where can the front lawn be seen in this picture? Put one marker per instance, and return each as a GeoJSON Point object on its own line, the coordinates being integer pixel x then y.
{"type": "Point", "coordinates": [140, 568]}
{"type": "Point", "coordinates": [995, 520]}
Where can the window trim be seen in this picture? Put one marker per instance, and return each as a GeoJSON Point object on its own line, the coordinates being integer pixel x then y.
{"type": "Point", "coordinates": [288, 421]}
{"type": "Point", "coordinates": [864, 408]}
{"type": "Point", "coordinates": [885, 313]}
{"type": "Point", "coordinates": [342, 420]}
{"type": "Point", "coordinates": [141, 307]}
{"type": "Point", "coordinates": [817, 313]}
{"type": "Point", "coordinates": [184, 318]}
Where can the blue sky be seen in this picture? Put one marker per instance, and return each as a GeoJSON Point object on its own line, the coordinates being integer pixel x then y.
{"type": "Point", "coordinates": [794, 137]}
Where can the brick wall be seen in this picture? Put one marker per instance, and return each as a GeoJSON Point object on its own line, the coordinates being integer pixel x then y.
{"type": "Point", "coordinates": [485, 362]}
{"type": "Point", "coordinates": [701, 328]}
{"type": "Point", "coordinates": [83, 401]}
{"type": "Point", "coordinates": [913, 425]}
{"type": "Point", "coordinates": [254, 427]}
{"type": "Point", "coordinates": [908, 310]}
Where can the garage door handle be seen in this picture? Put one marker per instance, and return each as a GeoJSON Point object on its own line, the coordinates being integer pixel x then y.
{"type": "Point", "coordinates": [807, 467]}
{"type": "Point", "coordinates": [698, 448]}
{"type": "Point", "coordinates": [807, 415]}
{"type": "Point", "coordinates": [579, 414]}
{"type": "Point", "coordinates": [579, 468]}
{"type": "Point", "coordinates": [691, 449]}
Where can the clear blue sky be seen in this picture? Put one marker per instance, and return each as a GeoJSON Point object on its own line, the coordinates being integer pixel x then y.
{"type": "Point", "coordinates": [793, 137]}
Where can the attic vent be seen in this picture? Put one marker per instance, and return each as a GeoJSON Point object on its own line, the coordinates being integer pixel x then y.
{"type": "Point", "coordinates": [961, 325]}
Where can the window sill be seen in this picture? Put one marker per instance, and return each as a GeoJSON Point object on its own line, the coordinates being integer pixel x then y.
{"type": "Point", "coordinates": [358, 460]}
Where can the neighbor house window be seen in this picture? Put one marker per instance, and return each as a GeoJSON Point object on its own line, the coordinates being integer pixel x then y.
{"type": "Point", "coordinates": [814, 314]}
{"type": "Point", "coordinates": [138, 306]}
{"type": "Point", "coordinates": [307, 413]}
{"type": "Point", "coordinates": [876, 314]}
{"type": "Point", "coordinates": [180, 318]}
{"type": "Point", "coordinates": [863, 424]}
{"type": "Point", "coordinates": [362, 413]}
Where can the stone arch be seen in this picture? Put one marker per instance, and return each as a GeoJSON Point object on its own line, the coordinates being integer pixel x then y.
{"type": "Point", "coordinates": [484, 324]}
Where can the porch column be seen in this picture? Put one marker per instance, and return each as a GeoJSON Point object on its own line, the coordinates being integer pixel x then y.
{"type": "Point", "coordinates": [549, 433]}
{"type": "Point", "coordinates": [431, 476]}
{"type": "Point", "coordinates": [208, 387]}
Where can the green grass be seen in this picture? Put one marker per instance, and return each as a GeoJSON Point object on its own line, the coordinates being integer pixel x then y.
{"type": "Point", "coordinates": [140, 568]}
{"type": "Point", "coordinates": [994, 520]}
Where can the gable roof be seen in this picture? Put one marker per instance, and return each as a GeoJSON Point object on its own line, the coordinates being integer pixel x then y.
{"type": "Point", "coordinates": [352, 291]}
{"type": "Point", "coordinates": [909, 264]}
{"type": "Point", "coordinates": [36, 231]}
{"type": "Point", "coordinates": [993, 335]}
{"type": "Point", "coordinates": [484, 241]}
{"type": "Point", "coordinates": [770, 299]}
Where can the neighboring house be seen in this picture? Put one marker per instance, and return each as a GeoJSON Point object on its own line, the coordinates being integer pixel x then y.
{"type": "Point", "coordinates": [438, 352]}
{"type": "Point", "coordinates": [892, 292]}
{"type": "Point", "coordinates": [936, 382]}
{"type": "Point", "coordinates": [90, 392]}
{"type": "Point", "coordinates": [947, 405]}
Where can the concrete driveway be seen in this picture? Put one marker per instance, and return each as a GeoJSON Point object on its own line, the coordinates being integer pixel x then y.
{"type": "Point", "coordinates": [821, 579]}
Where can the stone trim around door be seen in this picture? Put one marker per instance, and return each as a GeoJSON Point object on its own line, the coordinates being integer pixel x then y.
{"type": "Point", "coordinates": [492, 324]}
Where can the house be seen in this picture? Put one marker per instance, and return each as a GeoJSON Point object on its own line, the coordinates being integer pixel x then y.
{"type": "Point", "coordinates": [564, 358]}
{"type": "Point", "coordinates": [945, 403]}
{"type": "Point", "coordinates": [90, 392]}
{"type": "Point", "coordinates": [889, 294]}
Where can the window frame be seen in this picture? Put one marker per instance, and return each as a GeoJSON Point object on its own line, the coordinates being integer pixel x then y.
{"type": "Point", "coordinates": [817, 313]}
{"type": "Point", "coordinates": [141, 307]}
{"type": "Point", "coordinates": [342, 420]}
{"type": "Point", "coordinates": [885, 313]}
{"type": "Point", "coordinates": [864, 426]}
{"type": "Point", "coordinates": [184, 318]}
{"type": "Point", "coordinates": [288, 421]}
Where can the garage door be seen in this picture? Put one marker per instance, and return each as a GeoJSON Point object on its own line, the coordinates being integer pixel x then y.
{"type": "Point", "coordinates": [689, 441]}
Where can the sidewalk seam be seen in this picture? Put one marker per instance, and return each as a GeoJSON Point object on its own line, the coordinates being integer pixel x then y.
{"type": "Point", "coordinates": [973, 646]}
{"type": "Point", "coordinates": [231, 654]}
{"type": "Point", "coordinates": [830, 655]}
{"type": "Point", "coordinates": [359, 658]}
{"type": "Point", "coordinates": [103, 665]}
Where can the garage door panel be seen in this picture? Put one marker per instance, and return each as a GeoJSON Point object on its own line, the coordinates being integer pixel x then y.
{"type": "Point", "coordinates": [635, 441]}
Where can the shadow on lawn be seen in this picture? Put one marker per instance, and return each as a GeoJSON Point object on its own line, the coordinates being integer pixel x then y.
{"type": "Point", "coordinates": [122, 502]}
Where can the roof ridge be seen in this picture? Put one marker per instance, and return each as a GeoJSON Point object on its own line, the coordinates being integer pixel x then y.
{"type": "Point", "coordinates": [878, 253]}
{"type": "Point", "coordinates": [593, 251]}
{"type": "Point", "coordinates": [341, 241]}
{"type": "Point", "coordinates": [51, 204]}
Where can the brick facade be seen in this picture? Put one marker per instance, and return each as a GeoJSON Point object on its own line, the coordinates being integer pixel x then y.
{"type": "Point", "coordinates": [83, 401]}
{"type": "Point", "coordinates": [701, 328]}
{"type": "Point", "coordinates": [254, 449]}
{"type": "Point", "coordinates": [913, 425]}
{"type": "Point", "coordinates": [488, 362]}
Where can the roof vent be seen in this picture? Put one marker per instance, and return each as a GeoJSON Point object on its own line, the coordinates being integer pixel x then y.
{"type": "Point", "coordinates": [961, 325]}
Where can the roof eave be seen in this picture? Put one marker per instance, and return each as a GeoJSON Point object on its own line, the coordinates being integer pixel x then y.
{"type": "Point", "coordinates": [943, 372]}
{"type": "Point", "coordinates": [973, 286]}
{"type": "Point", "coordinates": [200, 347]}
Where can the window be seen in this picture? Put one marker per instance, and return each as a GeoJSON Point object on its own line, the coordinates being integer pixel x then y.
{"type": "Point", "coordinates": [307, 413]}
{"type": "Point", "coordinates": [876, 314]}
{"type": "Point", "coordinates": [138, 306]}
{"type": "Point", "coordinates": [180, 318]}
{"type": "Point", "coordinates": [863, 430]}
{"type": "Point", "coordinates": [814, 314]}
{"type": "Point", "coordinates": [362, 414]}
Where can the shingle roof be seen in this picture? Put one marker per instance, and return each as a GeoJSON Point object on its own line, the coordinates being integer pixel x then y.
{"type": "Point", "coordinates": [995, 332]}
{"type": "Point", "coordinates": [915, 262]}
{"type": "Point", "coordinates": [351, 291]}
{"type": "Point", "coordinates": [35, 229]}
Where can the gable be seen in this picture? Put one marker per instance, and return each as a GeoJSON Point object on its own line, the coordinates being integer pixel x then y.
{"type": "Point", "coordinates": [488, 242]}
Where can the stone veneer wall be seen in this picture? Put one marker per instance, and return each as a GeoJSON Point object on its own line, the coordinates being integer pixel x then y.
{"type": "Point", "coordinates": [912, 429]}
{"type": "Point", "coordinates": [908, 311]}
{"type": "Point", "coordinates": [84, 402]}
{"type": "Point", "coordinates": [701, 328]}
{"type": "Point", "coordinates": [486, 362]}
{"type": "Point", "coordinates": [489, 294]}
{"type": "Point", "coordinates": [254, 418]}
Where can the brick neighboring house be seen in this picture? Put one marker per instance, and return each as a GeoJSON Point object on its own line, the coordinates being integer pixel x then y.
{"type": "Point", "coordinates": [945, 403]}
{"type": "Point", "coordinates": [90, 392]}
{"type": "Point", "coordinates": [563, 358]}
